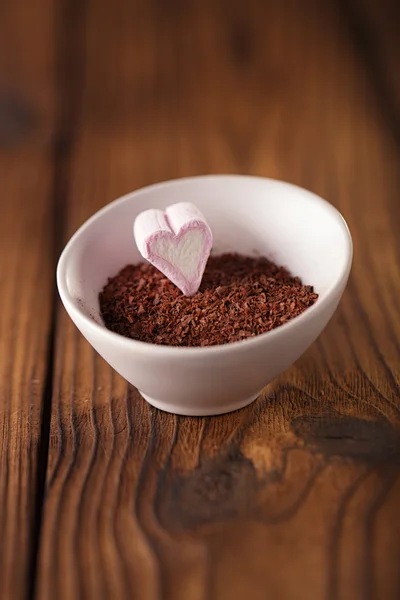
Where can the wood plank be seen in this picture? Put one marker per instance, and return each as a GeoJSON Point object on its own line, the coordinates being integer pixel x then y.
{"type": "Point", "coordinates": [26, 275]}
{"type": "Point", "coordinates": [376, 27]}
{"type": "Point", "coordinates": [295, 496]}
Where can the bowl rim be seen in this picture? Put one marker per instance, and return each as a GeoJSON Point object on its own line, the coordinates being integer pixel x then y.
{"type": "Point", "coordinates": [130, 344]}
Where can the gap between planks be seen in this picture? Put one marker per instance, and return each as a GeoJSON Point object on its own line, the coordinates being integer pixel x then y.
{"type": "Point", "coordinates": [69, 49]}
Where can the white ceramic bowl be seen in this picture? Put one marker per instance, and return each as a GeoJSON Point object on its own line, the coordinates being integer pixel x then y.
{"type": "Point", "coordinates": [249, 215]}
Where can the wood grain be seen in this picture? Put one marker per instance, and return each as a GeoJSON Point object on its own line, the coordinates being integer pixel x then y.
{"type": "Point", "coordinates": [376, 26]}
{"type": "Point", "coordinates": [295, 496]}
{"type": "Point", "coordinates": [26, 275]}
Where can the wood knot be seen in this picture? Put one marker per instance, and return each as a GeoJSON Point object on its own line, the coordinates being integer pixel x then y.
{"type": "Point", "coordinates": [351, 437]}
{"type": "Point", "coordinates": [16, 121]}
{"type": "Point", "coordinates": [220, 488]}
{"type": "Point", "coordinates": [241, 45]}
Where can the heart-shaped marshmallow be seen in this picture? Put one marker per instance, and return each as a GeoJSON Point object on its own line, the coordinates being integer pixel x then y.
{"type": "Point", "coordinates": [177, 242]}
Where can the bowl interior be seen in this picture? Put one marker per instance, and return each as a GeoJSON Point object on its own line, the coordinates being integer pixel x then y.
{"type": "Point", "coordinates": [252, 216]}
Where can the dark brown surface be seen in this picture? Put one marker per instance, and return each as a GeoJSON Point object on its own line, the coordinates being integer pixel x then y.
{"type": "Point", "coordinates": [294, 497]}
{"type": "Point", "coordinates": [26, 276]}
{"type": "Point", "coordinates": [239, 297]}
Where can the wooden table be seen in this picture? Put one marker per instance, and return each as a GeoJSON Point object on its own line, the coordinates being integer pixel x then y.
{"type": "Point", "coordinates": [294, 497]}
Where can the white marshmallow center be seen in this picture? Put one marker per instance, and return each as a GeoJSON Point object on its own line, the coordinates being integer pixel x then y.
{"type": "Point", "coordinates": [183, 252]}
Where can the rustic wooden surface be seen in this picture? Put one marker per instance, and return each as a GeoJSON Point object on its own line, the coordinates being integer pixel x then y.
{"type": "Point", "coordinates": [27, 262]}
{"type": "Point", "coordinates": [294, 497]}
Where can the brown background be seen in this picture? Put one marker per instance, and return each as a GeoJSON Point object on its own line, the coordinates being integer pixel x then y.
{"type": "Point", "coordinates": [294, 497]}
